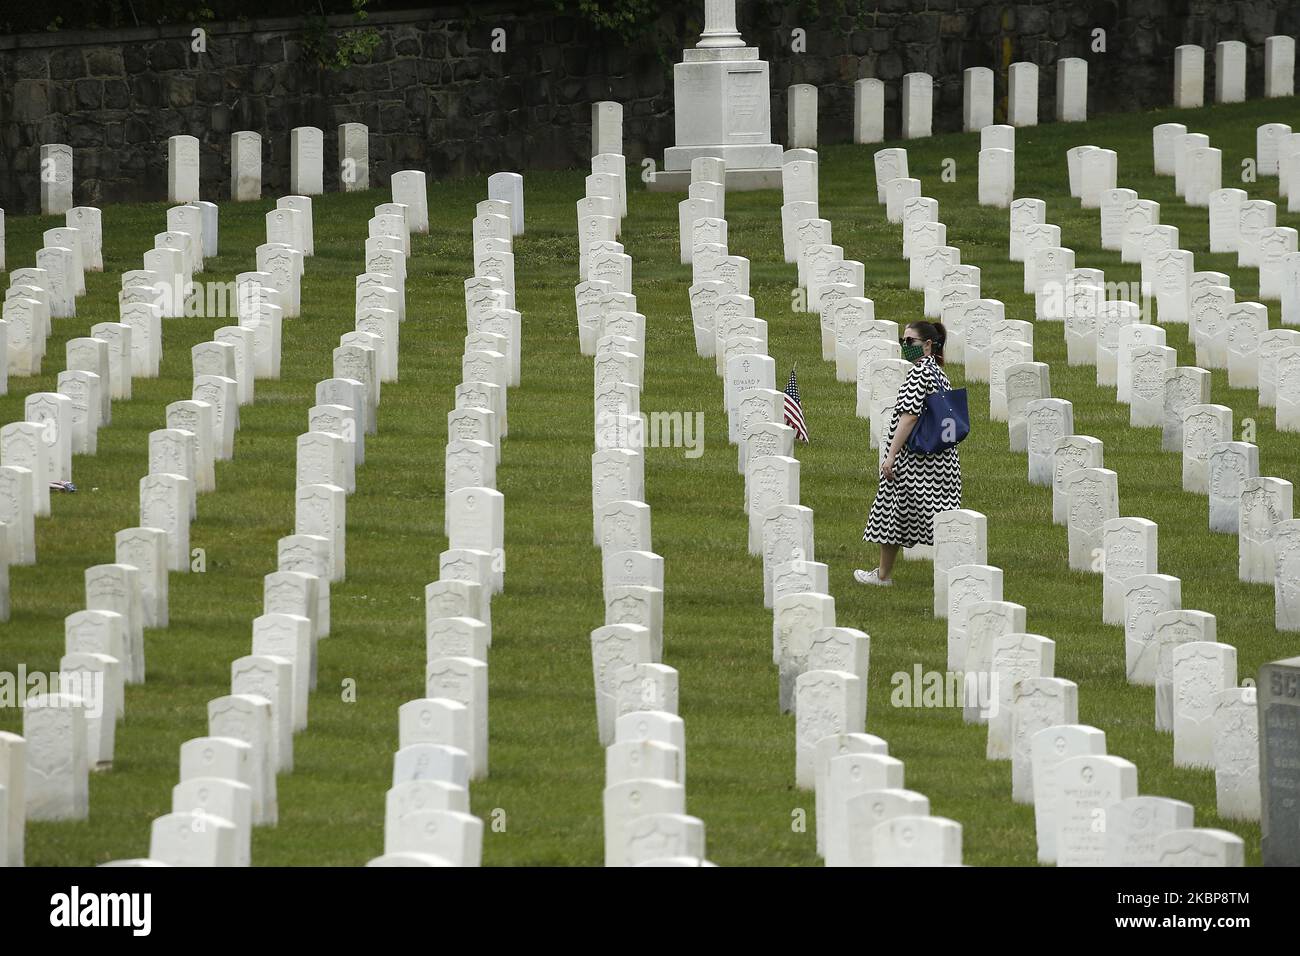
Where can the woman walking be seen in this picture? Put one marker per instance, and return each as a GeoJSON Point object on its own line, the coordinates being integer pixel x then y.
{"type": "Point", "coordinates": [913, 487]}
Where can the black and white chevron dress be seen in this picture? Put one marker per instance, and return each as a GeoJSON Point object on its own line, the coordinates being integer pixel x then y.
{"type": "Point", "coordinates": [904, 509]}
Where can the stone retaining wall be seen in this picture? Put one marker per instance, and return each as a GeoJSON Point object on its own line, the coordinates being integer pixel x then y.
{"type": "Point", "coordinates": [436, 97]}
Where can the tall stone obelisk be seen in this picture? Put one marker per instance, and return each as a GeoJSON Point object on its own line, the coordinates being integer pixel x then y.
{"type": "Point", "coordinates": [723, 108]}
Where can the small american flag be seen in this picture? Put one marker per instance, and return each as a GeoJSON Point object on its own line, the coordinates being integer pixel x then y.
{"type": "Point", "coordinates": [794, 408]}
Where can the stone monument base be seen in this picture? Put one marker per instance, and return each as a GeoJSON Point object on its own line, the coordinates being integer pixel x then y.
{"type": "Point", "coordinates": [722, 110]}
{"type": "Point", "coordinates": [748, 167]}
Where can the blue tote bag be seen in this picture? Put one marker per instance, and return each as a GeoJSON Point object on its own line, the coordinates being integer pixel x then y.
{"type": "Point", "coordinates": [943, 422]}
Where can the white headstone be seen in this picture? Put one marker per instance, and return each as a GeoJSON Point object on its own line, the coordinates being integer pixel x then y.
{"type": "Point", "coordinates": [1200, 846]}
{"type": "Point", "coordinates": [207, 800]}
{"type": "Point", "coordinates": [1229, 465]}
{"type": "Point", "coordinates": [247, 717]}
{"type": "Point", "coordinates": [976, 98]}
{"type": "Point", "coordinates": [165, 504]}
{"type": "Point", "coordinates": [1203, 426]}
{"type": "Point", "coordinates": [1048, 749]}
{"type": "Point", "coordinates": [193, 839]}
{"type": "Point", "coordinates": [1172, 629]}
{"type": "Point", "coordinates": [174, 451]}
{"type": "Point", "coordinates": [847, 776]}
{"type": "Point", "coordinates": [917, 841]}
{"type": "Point", "coordinates": [306, 161]}
{"type": "Point", "coordinates": [788, 552]}
{"type": "Point", "coordinates": [1236, 753]}
{"type": "Point", "coordinates": [997, 177]}
{"type": "Point", "coordinates": [1286, 575]}
{"type": "Point", "coordinates": [18, 515]}
{"type": "Point", "coordinates": [410, 190]}
{"type": "Point", "coordinates": [1097, 171]}
{"type": "Point", "coordinates": [627, 803]}
{"type": "Point", "coordinates": [198, 418]}
{"type": "Point", "coordinates": [918, 105]}
{"type": "Point", "coordinates": [22, 444]}
{"type": "Point", "coordinates": [1024, 213]}
{"type": "Point", "coordinates": [1164, 138]}
{"type": "Point", "coordinates": [1092, 498]}
{"type": "Point", "coordinates": [1022, 94]}
{"type": "Point", "coordinates": [245, 166]}
{"type": "Point", "coordinates": [53, 412]}
{"type": "Point", "coordinates": [1279, 66]}
{"type": "Point", "coordinates": [354, 157]}
{"type": "Point", "coordinates": [606, 127]}
{"type": "Point", "coordinates": [1135, 824]}
{"type": "Point", "coordinates": [464, 680]}
{"type": "Point", "coordinates": [1264, 502]}
{"type": "Point", "coordinates": [1189, 76]}
{"type": "Point", "coordinates": [13, 776]}
{"type": "Point", "coordinates": [1130, 546]}
{"type": "Point", "coordinates": [968, 585]}
{"type": "Point", "coordinates": [88, 221]}
{"type": "Point", "coordinates": [56, 179]}
{"type": "Point", "coordinates": [1287, 389]}
{"type": "Point", "coordinates": [868, 111]}
{"type": "Point", "coordinates": [1145, 597]}
{"type": "Point", "coordinates": [270, 679]}
{"type": "Point", "coordinates": [826, 703]}
{"type": "Point", "coordinates": [801, 109]}
{"type": "Point", "coordinates": [1201, 669]}
{"type": "Point", "coordinates": [321, 510]}
{"type": "Point", "coordinates": [57, 774]}
{"type": "Point", "coordinates": [1071, 90]}
{"type": "Point", "coordinates": [889, 164]}
{"type": "Point", "coordinates": [795, 619]}
{"type": "Point", "coordinates": [1036, 704]}
{"type": "Point", "coordinates": [1230, 71]}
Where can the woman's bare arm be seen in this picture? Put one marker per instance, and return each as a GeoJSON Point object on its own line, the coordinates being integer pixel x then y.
{"type": "Point", "coordinates": [906, 423]}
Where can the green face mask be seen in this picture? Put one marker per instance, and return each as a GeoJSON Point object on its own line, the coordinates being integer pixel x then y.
{"type": "Point", "coordinates": [913, 351]}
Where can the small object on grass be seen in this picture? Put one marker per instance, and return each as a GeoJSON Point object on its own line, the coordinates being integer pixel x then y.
{"type": "Point", "coordinates": [62, 486]}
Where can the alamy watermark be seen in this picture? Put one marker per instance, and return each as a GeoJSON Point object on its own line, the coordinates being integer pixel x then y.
{"type": "Point", "coordinates": [17, 686]}
{"type": "Point", "coordinates": [1059, 299]}
{"type": "Point", "coordinates": [654, 430]}
{"type": "Point", "coordinates": [966, 689]}
{"type": "Point", "coordinates": [75, 908]}
{"type": "Point", "coordinates": [201, 300]}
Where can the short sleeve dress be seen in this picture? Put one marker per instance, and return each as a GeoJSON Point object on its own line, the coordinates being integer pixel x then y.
{"type": "Point", "coordinates": [924, 485]}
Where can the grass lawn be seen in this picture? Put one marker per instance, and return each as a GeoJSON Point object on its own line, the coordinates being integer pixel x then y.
{"type": "Point", "coordinates": [542, 801]}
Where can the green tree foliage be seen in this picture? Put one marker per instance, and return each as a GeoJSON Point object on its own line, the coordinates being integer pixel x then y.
{"type": "Point", "coordinates": [336, 51]}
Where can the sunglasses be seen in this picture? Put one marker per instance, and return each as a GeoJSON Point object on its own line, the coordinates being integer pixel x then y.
{"type": "Point", "coordinates": [908, 340]}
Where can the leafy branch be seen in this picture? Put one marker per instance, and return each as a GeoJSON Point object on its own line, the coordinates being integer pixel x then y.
{"type": "Point", "coordinates": [336, 51]}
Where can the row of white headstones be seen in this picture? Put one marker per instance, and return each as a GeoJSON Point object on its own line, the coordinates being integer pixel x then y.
{"type": "Point", "coordinates": [1133, 356]}
{"type": "Point", "coordinates": [104, 644]}
{"type": "Point", "coordinates": [443, 736]}
{"type": "Point", "coordinates": [29, 449]}
{"type": "Point", "coordinates": [231, 774]}
{"type": "Point", "coordinates": [306, 168]}
{"type": "Point", "coordinates": [120, 604]}
{"type": "Point", "coordinates": [644, 800]}
{"type": "Point", "coordinates": [67, 734]}
{"type": "Point", "coordinates": [864, 816]}
{"type": "Point", "coordinates": [978, 578]}
{"type": "Point", "coordinates": [101, 366]}
{"type": "Point", "coordinates": [917, 99]}
{"type": "Point", "coordinates": [1157, 627]}
{"type": "Point", "coordinates": [848, 330]}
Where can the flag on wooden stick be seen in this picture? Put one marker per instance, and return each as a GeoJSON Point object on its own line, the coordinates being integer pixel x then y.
{"type": "Point", "coordinates": [794, 407]}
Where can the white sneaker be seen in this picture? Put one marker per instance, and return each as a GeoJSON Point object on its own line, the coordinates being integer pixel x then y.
{"type": "Point", "coordinates": [872, 577]}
